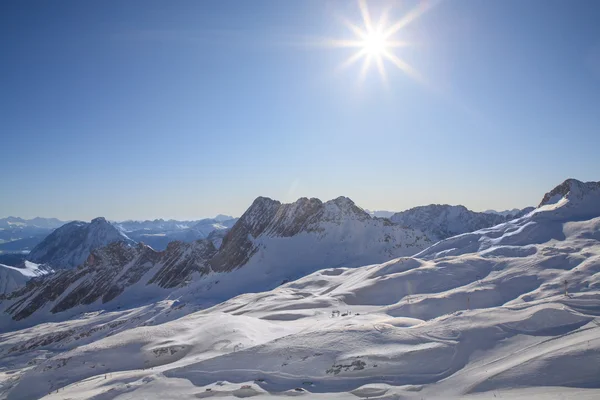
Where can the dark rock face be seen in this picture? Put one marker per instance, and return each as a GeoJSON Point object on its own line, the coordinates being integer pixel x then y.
{"type": "Point", "coordinates": [108, 272]}
{"type": "Point", "coordinates": [180, 260]}
{"type": "Point", "coordinates": [269, 217]}
{"type": "Point", "coordinates": [237, 248]}
{"type": "Point", "coordinates": [570, 188]}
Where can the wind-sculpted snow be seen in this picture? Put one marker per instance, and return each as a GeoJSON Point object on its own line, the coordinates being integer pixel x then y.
{"type": "Point", "coordinates": [514, 312]}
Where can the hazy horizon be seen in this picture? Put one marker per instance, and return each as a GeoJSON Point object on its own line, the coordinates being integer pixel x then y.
{"type": "Point", "coordinates": [237, 215]}
{"type": "Point", "coordinates": [143, 110]}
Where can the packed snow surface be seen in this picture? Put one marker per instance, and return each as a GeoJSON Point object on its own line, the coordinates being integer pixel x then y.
{"type": "Point", "coordinates": [511, 311]}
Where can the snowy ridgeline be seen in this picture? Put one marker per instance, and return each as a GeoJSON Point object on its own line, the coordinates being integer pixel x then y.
{"type": "Point", "coordinates": [271, 243]}
{"type": "Point", "coordinates": [505, 312]}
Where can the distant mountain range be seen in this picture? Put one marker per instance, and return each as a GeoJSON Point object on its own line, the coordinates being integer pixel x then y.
{"type": "Point", "coordinates": [158, 233]}
{"type": "Point", "coordinates": [506, 213]}
{"type": "Point", "coordinates": [71, 243]}
{"type": "Point", "coordinates": [441, 221]}
{"type": "Point", "coordinates": [380, 213]}
{"type": "Point", "coordinates": [18, 235]}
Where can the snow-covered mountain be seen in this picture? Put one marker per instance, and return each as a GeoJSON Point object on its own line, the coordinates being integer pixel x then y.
{"type": "Point", "coordinates": [380, 213]}
{"type": "Point", "coordinates": [270, 244]}
{"type": "Point", "coordinates": [70, 245]}
{"type": "Point", "coordinates": [223, 218]}
{"type": "Point", "coordinates": [440, 221]}
{"type": "Point", "coordinates": [37, 222]}
{"type": "Point", "coordinates": [290, 240]}
{"type": "Point", "coordinates": [510, 311]}
{"type": "Point", "coordinates": [107, 273]}
{"type": "Point", "coordinates": [158, 233]}
{"type": "Point", "coordinates": [157, 225]}
{"type": "Point", "coordinates": [14, 277]}
{"type": "Point", "coordinates": [504, 213]}
{"type": "Point", "coordinates": [21, 235]}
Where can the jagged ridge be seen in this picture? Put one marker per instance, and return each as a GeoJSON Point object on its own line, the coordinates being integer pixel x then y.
{"type": "Point", "coordinates": [110, 270]}
{"type": "Point", "coordinates": [441, 221]}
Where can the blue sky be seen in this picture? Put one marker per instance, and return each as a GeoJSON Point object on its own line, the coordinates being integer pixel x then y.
{"type": "Point", "coordinates": [145, 109]}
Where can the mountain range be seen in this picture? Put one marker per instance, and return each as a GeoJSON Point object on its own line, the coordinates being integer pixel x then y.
{"type": "Point", "coordinates": [270, 244]}
{"type": "Point", "coordinates": [158, 233]}
{"type": "Point", "coordinates": [441, 221]}
{"type": "Point", "coordinates": [377, 310]}
{"type": "Point", "coordinates": [273, 242]}
{"type": "Point", "coordinates": [18, 234]}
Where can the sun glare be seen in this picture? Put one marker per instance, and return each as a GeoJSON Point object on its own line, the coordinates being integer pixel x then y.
{"type": "Point", "coordinates": [376, 43]}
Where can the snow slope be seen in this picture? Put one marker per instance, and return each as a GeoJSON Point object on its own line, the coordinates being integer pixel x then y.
{"type": "Point", "coordinates": [14, 277]}
{"type": "Point", "coordinates": [70, 245]}
{"type": "Point", "coordinates": [506, 312]}
{"type": "Point", "coordinates": [111, 277]}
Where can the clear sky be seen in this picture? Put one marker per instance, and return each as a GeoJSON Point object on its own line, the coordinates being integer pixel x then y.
{"type": "Point", "coordinates": [146, 109]}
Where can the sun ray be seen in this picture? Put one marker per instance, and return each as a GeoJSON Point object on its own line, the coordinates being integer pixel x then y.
{"type": "Point", "coordinates": [397, 43]}
{"type": "Point", "coordinates": [403, 66]}
{"type": "Point", "coordinates": [376, 42]}
{"type": "Point", "coordinates": [412, 15]}
{"type": "Point", "coordinates": [364, 10]}
{"type": "Point", "coordinates": [354, 58]}
{"type": "Point", "coordinates": [381, 67]}
{"type": "Point", "coordinates": [341, 43]}
{"type": "Point", "coordinates": [365, 67]}
{"type": "Point", "coordinates": [357, 31]}
{"type": "Point", "coordinates": [383, 19]}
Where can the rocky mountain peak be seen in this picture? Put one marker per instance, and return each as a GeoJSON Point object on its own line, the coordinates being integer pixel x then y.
{"type": "Point", "coordinates": [71, 244]}
{"type": "Point", "coordinates": [440, 221]}
{"type": "Point", "coordinates": [570, 189]}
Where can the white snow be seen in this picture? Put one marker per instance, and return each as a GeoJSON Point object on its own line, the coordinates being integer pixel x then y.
{"type": "Point", "coordinates": [12, 278]}
{"type": "Point", "coordinates": [511, 311]}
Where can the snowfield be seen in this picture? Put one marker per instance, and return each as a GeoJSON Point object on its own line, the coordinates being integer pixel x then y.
{"type": "Point", "coordinates": [12, 278]}
{"type": "Point", "coordinates": [511, 311]}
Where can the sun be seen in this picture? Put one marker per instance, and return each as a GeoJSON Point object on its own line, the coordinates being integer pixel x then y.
{"type": "Point", "coordinates": [376, 43]}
